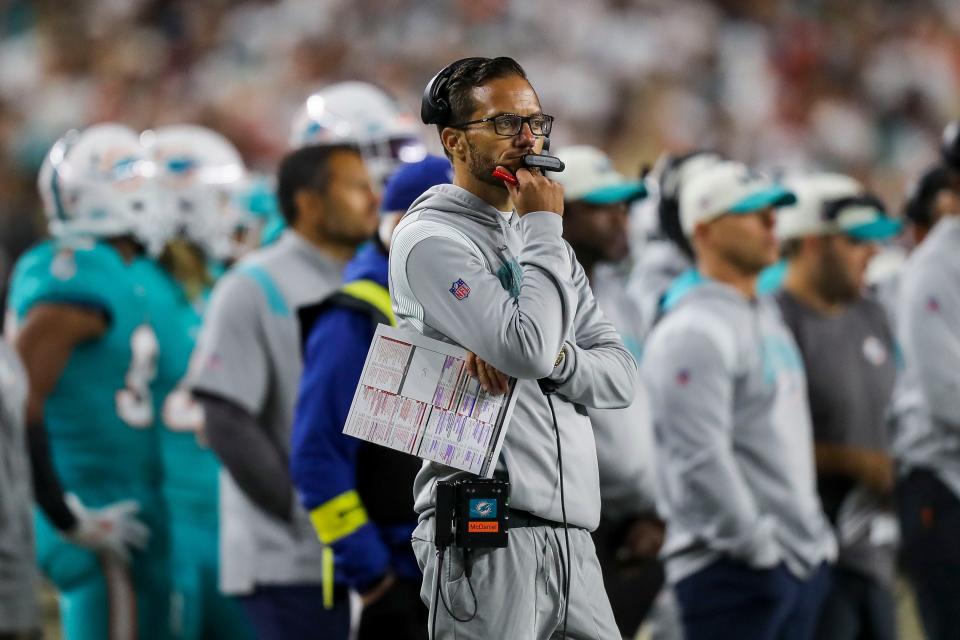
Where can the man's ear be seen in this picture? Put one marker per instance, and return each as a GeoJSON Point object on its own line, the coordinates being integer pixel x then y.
{"type": "Point", "coordinates": [454, 142]}
{"type": "Point", "coordinates": [701, 233]}
{"type": "Point", "coordinates": [309, 204]}
{"type": "Point", "coordinates": [946, 202]}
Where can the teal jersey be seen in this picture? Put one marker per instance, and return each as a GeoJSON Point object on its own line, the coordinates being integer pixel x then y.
{"type": "Point", "coordinates": [100, 415]}
{"type": "Point", "coordinates": [190, 468]}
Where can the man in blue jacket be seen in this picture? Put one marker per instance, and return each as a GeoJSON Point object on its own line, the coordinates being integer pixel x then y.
{"type": "Point", "coordinates": [359, 495]}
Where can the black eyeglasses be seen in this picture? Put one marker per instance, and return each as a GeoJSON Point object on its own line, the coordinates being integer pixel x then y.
{"type": "Point", "coordinates": [509, 124]}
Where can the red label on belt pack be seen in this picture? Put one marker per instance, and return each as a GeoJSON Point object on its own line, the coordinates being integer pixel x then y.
{"type": "Point", "coordinates": [483, 527]}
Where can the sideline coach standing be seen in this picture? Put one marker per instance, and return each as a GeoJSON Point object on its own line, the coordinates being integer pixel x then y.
{"type": "Point", "coordinates": [747, 543]}
{"type": "Point", "coordinates": [246, 377]}
{"type": "Point", "coordinates": [469, 267]}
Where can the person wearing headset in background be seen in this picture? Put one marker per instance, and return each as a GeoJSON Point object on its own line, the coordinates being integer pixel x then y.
{"type": "Point", "coordinates": [667, 253]}
{"type": "Point", "coordinates": [483, 265]}
{"type": "Point", "coordinates": [747, 543]}
{"type": "Point", "coordinates": [596, 206]}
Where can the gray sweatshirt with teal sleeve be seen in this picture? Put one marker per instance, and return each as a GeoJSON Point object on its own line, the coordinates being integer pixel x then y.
{"type": "Point", "coordinates": [734, 437]}
{"type": "Point", "coordinates": [510, 290]}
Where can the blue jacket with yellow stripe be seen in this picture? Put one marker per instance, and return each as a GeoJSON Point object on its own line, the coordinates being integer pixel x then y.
{"type": "Point", "coordinates": [359, 495]}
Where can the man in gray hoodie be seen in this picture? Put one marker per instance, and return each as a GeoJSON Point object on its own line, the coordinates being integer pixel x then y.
{"type": "Point", "coordinates": [747, 540]}
{"type": "Point", "coordinates": [482, 264]}
{"type": "Point", "coordinates": [927, 407]}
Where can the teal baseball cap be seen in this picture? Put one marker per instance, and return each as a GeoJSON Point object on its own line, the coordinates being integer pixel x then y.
{"type": "Point", "coordinates": [831, 203]}
{"type": "Point", "coordinates": [728, 187]}
{"type": "Point", "coordinates": [590, 177]}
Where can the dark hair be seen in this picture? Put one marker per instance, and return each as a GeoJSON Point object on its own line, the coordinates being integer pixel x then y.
{"type": "Point", "coordinates": [472, 73]}
{"type": "Point", "coordinates": [305, 168]}
{"type": "Point", "coordinates": [920, 202]}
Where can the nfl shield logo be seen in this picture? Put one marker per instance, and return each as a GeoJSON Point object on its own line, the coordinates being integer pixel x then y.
{"type": "Point", "coordinates": [459, 289]}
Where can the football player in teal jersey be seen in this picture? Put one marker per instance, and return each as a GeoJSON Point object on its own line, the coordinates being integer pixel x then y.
{"type": "Point", "coordinates": [79, 324]}
{"type": "Point", "coordinates": [199, 176]}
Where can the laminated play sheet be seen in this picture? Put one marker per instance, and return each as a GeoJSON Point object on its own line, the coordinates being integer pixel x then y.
{"type": "Point", "coordinates": [416, 396]}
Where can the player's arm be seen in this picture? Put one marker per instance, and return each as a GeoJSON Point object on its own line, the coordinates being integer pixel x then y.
{"type": "Point", "coordinates": [932, 340]}
{"type": "Point", "coordinates": [462, 299]}
{"type": "Point", "coordinates": [246, 450]}
{"type": "Point", "coordinates": [692, 386]}
{"type": "Point", "coordinates": [871, 467]}
{"type": "Point", "coordinates": [45, 340]}
{"type": "Point", "coordinates": [323, 461]}
{"type": "Point", "coordinates": [232, 381]}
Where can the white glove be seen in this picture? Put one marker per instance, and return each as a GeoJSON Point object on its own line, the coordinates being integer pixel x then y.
{"type": "Point", "coordinates": [113, 529]}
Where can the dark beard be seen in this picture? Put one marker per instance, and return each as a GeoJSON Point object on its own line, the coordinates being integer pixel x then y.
{"type": "Point", "coordinates": [832, 281]}
{"type": "Point", "coordinates": [481, 167]}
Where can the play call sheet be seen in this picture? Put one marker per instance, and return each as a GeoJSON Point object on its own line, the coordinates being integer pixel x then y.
{"type": "Point", "coordinates": [416, 396]}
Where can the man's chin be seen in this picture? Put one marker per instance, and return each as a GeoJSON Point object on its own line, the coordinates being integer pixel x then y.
{"type": "Point", "coordinates": [487, 178]}
{"type": "Point", "coordinates": [617, 256]}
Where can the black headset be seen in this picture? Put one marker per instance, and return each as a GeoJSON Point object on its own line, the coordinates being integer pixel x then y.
{"type": "Point", "coordinates": [435, 105]}
{"type": "Point", "coordinates": [918, 207]}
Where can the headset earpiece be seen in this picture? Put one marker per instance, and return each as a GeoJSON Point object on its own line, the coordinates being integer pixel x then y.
{"type": "Point", "coordinates": [435, 105]}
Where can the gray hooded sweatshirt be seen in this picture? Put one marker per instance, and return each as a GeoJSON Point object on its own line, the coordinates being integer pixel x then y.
{"type": "Point", "coordinates": [510, 290]}
{"type": "Point", "coordinates": [734, 437]}
{"type": "Point", "coordinates": [927, 398]}
{"type": "Point", "coordinates": [659, 265]}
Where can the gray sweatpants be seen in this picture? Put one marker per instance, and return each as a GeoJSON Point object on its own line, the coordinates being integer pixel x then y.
{"type": "Point", "coordinates": [519, 589]}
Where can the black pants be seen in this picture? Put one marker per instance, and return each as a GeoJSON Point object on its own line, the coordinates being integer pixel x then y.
{"type": "Point", "coordinates": [632, 589]}
{"type": "Point", "coordinates": [398, 615]}
{"type": "Point", "coordinates": [929, 515]}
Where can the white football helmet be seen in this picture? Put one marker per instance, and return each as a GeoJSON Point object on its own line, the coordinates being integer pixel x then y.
{"type": "Point", "coordinates": [97, 182]}
{"type": "Point", "coordinates": [361, 114]}
{"type": "Point", "coordinates": [200, 176]}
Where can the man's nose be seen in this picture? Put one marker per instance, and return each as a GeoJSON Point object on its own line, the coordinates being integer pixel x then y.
{"type": "Point", "coordinates": [768, 217]}
{"type": "Point", "coordinates": [525, 137]}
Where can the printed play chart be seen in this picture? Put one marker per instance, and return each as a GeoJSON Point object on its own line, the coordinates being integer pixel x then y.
{"type": "Point", "coordinates": [416, 396]}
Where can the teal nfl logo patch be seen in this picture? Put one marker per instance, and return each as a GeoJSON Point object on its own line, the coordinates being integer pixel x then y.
{"type": "Point", "coordinates": [483, 508]}
{"type": "Point", "coordinates": [459, 289]}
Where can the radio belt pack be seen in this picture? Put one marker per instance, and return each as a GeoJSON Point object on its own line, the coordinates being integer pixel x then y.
{"type": "Point", "coordinates": [472, 513]}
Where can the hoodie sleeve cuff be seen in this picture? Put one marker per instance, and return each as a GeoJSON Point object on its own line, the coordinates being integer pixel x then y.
{"type": "Point", "coordinates": [565, 364]}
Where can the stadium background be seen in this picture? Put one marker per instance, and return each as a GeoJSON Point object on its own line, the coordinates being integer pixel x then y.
{"type": "Point", "coordinates": [859, 86]}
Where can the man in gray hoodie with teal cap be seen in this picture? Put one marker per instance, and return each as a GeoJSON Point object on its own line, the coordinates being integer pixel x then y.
{"type": "Point", "coordinates": [482, 264]}
{"type": "Point", "coordinates": [747, 542]}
